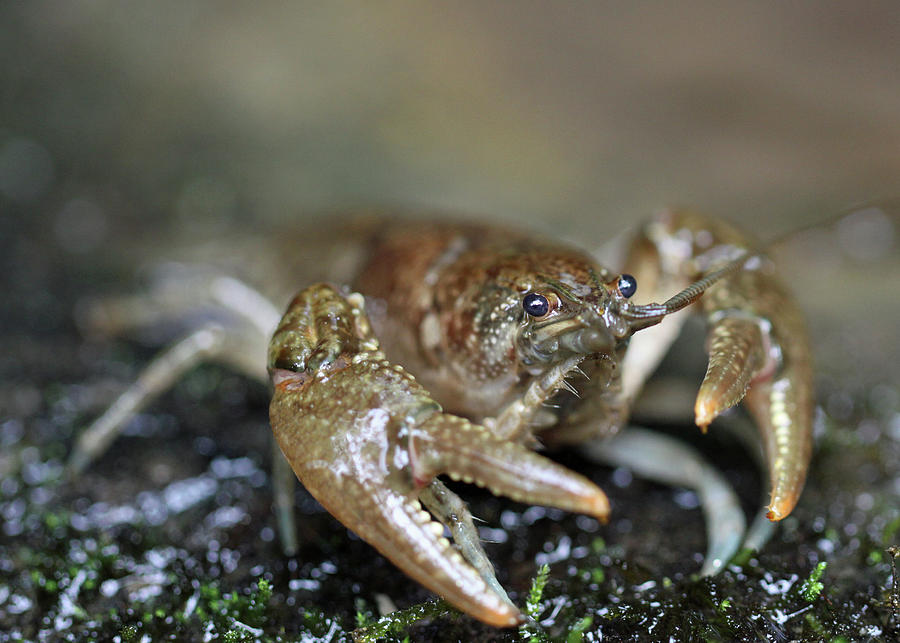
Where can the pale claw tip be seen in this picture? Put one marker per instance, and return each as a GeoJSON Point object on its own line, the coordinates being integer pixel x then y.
{"type": "Point", "coordinates": [597, 506]}
{"type": "Point", "coordinates": [736, 355]}
{"type": "Point", "coordinates": [511, 618]}
{"type": "Point", "coordinates": [502, 615]}
{"type": "Point", "coordinates": [705, 410]}
{"type": "Point", "coordinates": [779, 509]}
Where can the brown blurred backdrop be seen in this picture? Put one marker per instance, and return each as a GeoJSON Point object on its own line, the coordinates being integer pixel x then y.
{"type": "Point", "coordinates": [194, 117]}
{"type": "Point", "coordinates": [573, 112]}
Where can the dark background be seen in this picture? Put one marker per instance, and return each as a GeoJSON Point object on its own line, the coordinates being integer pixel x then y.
{"type": "Point", "coordinates": [127, 126]}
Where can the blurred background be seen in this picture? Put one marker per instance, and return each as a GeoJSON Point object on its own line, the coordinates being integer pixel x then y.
{"type": "Point", "coordinates": [128, 125]}
{"type": "Point", "coordinates": [583, 114]}
{"type": "Point", "coordinates": [128, 120]}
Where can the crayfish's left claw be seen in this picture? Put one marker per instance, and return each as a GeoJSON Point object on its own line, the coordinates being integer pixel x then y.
{"type": "Point", "coordinates": [736, 356]}
{"type": "Point", "coordinates": [365, 439]}
{"type": "Point", "coordinates": [759, 352]}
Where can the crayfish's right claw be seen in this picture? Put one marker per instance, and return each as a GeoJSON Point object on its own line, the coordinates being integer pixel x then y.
{"type": "Point", "coordinates": [365, 438]}
{"type": "Point", "coordinates": [469, 452]}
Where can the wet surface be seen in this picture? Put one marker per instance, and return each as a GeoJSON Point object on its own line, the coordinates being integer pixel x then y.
{"type": "Point", "coordinates": [106, 156]}
{"type": "Point", "coordinates": [171, 533]}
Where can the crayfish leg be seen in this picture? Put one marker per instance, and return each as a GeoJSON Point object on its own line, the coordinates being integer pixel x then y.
{"type": "Point", "coordinates": [663, 459]}
{"type": "Point", "coordinates": [159, 376]}
{"type": "Point", "coordinates": [237, 338]}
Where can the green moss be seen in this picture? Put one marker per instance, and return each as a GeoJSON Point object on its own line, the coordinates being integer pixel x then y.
{"type": "Point", "coordinates": [395, 623]}
{"type": "Point", "coordinates": [531, 631]}
{"type": "Point", "coordinates": [742, 557]}
{"type": "Point", "coordinates": [364, 620]}
{"type": "Point", "coordinates": [54, 520]}
{"type": "Point", "coordinates": [815, 625]}
{"type": "Point", "coordinates": [255, 610]}
{"type": "Point", "coordinates": [533, 604]}
{"type": "Point", "coordinates": [812, 587]}
{"type": "Point", "coordinates": [894, 600]}
{"type": "Point", "coordinates": [890, 531]}
{"type": "Point", "coordinates": [129, 633]}
{"type": "Point", "coordinates": [576, 632]}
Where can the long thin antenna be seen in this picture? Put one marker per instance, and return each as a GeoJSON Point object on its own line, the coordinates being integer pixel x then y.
{"type": "Point", "coordinates": [646, 315]}
{"type": "Point", "coordinates": [692, 293]}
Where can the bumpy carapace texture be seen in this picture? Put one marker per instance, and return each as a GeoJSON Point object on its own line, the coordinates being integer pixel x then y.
{"type": "Point", "coordinates": [454, 358]}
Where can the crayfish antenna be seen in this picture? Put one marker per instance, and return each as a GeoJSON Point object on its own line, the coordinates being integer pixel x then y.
{"type": "Point", "coordinates": [642, 316]}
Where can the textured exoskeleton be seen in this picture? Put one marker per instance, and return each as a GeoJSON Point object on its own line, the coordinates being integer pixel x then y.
{"type": "Point", "coordinates": [446, 348]}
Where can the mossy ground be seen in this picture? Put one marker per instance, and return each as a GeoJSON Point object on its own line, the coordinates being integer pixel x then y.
{"type": "Point", "coordinates": [170, 536]}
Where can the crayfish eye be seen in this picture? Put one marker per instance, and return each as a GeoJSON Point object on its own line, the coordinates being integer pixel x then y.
{"type": "Point", "coordinates": [627, 286]}
{"type": "Point", "coordinates": [535, 304]}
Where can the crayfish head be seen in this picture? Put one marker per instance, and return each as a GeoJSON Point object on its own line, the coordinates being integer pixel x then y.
{"type": "Point", "coordinates": [574, 312]}
{"type": "Point", "coordinates": [520, 311]}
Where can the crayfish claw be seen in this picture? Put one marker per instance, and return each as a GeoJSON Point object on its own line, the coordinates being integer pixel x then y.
{"type": "Point", "coordinates": [355, 464]}
{"type": "Point", "coordinates": [452, 512]}
{"type": "Point", "coordinates": [759, 353]}
{"type": "Point", "coordinates": [367, 441]}
{"type": "Point", "coordinates": [759, 350]}
{"type": "Point", "coordinates": [471, 453]}
{"type": "Point", "coordinates": [736, 356]}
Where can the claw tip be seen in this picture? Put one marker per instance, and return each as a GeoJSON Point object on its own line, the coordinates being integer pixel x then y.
{"type": "Point", "coordinates": [777, 512]}
{"type": "Point", "coordinates": [600, 507]}
{"type": "Point", "coordinates": [704, 413]}
{"type": "Point", "coordinates": [781, 506]}
{"type": "Point", "coordinates": [511, 617]}
{"type": "Point", "coordinates": [517, 619]}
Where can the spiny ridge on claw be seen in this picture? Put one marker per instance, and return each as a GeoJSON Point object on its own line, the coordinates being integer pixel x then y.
{"type": "Point", "coordinates": [783, 411]}
{"type": "Point", "coordinates": [406, 536]}
{"type": "Point", "coordinates": [402, 531]}
{"type": "Point", "coordinates": [446, 445]}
